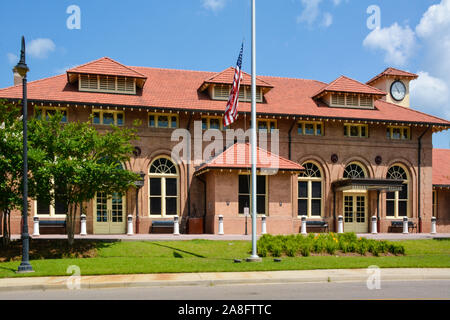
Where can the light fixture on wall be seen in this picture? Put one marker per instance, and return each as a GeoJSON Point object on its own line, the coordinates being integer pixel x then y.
{"type": "Point", "coordinates": [228, 203]}
{"type": "Point", "coordinates": [281, 204]}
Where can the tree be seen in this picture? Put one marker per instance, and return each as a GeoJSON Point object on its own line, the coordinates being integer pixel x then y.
{"type": "Point", "coordinates": [77, 161]}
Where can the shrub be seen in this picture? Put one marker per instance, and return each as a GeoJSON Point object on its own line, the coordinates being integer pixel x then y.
{"type": "Point", "coordinates": [291, 247]}
{"type": "Point", "coordinates": [331, 246]}
{"type": "Point", "coordinates": [347, 237]}
{"type": "Point", "coordinates": [396, 249]}
{"type": "Point", "coordinates": [362, 247]}
{"type": "Point", "coordinates": [305, 249]}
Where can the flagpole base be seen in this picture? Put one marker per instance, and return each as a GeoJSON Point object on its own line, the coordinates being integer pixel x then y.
{"type": "Point", "coordinates": [254, 259]}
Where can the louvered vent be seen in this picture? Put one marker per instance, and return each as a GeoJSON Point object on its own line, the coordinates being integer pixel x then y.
{"type": "Point", "coordinates": [338, 100]}
{"type": "Point", "coordinates": [221, 92]}
{"type": "Point", "coordinates": [106, 84]}
{"type": "Point", "coordinates": [366, 102]}
{"type": "Point", "coordinates": [352, 100]}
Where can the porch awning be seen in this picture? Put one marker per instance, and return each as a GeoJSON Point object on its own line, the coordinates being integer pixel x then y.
{"type": "Point", "coordinates": [383, 185]}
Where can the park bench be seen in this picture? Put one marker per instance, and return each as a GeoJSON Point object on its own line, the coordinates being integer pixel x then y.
{"type": "Point", "coordinates": [317, 224]}
{"type": "Point", "coordinates": [396, 225]}
{"type": "Point", "coordinates": [162, 226]}
{"type": "Point", "coordinates": [52, 226]}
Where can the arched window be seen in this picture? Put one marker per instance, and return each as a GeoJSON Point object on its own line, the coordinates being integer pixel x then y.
{"type": "Point", "coordinates": [163, 187]}
{"type": "Point", "coordinates": [354, 171]}
{"type": "Point", "coordinates": [310, 191]}
{"type": "Point", "coordinates": [397, 202]}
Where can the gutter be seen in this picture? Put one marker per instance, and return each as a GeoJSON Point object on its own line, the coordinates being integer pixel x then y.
{"type": "Point", "coordinates": [204, 203]}
{"type": "Point", "coordinates": [419, 162]}
{"type": "Point", "coordinates": [290, 139]}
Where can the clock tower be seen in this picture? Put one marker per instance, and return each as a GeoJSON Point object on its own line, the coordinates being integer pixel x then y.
{"type": "Point", "coordinates": [396, 84]}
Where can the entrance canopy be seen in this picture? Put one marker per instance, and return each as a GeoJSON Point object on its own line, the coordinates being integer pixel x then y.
{"type": "Point", "coordinates": [382, 185]}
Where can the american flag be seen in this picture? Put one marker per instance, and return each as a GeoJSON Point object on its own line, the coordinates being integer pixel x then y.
{"type": "Point", "coordinates": [231, 110]}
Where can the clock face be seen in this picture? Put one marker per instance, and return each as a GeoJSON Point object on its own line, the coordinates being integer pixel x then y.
{"type": "Point", "coordinates": [398, 90]}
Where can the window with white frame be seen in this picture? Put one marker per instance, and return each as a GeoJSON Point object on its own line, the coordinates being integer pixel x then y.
{"type": "Point", "coordinates": [397, 203]}
{"type": "Point", "coordinates": [355, 171]}
{"type": "Point", "coordinates": [44, 207]}
{"type": "Point", "coordinates": [112, 84]}
{"type": "Point", "coordinates": [163, 188]}
{"type": "Point", "coordinates": [163, 120]}
{"type": "Point", "coordinates": [310, 191]}
{"type": "Point", "coordinates": [222, 92]}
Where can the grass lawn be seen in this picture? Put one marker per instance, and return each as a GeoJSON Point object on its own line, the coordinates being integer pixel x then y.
{"type": "Point", "coordinates": [209, 256]}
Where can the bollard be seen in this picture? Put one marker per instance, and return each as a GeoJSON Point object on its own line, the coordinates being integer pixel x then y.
{"type": "Point", "coordinates": [340, 224]}
{"type": "Point", "coordinates": [433, 225]}
{"type": "Point", "coordinates": [129, 225]}
{"type": "Point", "coordinates": [303, 230]}
{"type": "Point", "coordinates": [36, 227]}
{"type": "Point", "coordinates": [83, 225]}
{"type": "Point", "coordinates": [405, 225]}
{"type": "Point", "coordinates": [221, 225]}
{"type": "Point", "coordinates": [374, 224]}
{"type": "Point", "coordinates": [176, 226]}
{"type": "Point", "coordinates": [263, 225]}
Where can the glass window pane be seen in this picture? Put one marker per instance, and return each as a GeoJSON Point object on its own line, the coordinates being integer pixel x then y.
{"type": "Point", "coordinates": [155, 205]}
{"type": "Point", "coordinates": [60, 201]}
{"type": "Point", "coordinates": [405, 134]}
{"type": "Point", "coordinates": [204, 124]}
{"type": "Point", "coordinates": [244, 184]}
{"type": "Point", "coordinates": [43, 207]}
{"type": "Point", "coordinates": [244, 202]}
{"type": "Point", "coordinates": [316, 207]}
{"type": "Point", "coordinates": [163, 122]}
{"type": "Point", "coordinates": [120, 119]}
{"type": "Point", "coordinates": [300, 128]}
{"type": "Point", "coordinates": [96, 117]}
{"type": "Point", "coordinates": [404, 193]}
{"type": "Point", "coordinates": [272, 125]}
{"type": "Point", "coordinates": [302, 207]}
{"type": "Point", "coordinates": [302, 189]}
{"type": "Point", "coordinates": [261, 184]}
{"type": "Point", "coordinates": [317, 189]}
{"type": "Point", "coordinates": [388, 133]}
{"type": "Point", "coordinates": [319, 130]}
{"type": "Point", "coordinates": [396, 134]}
{"type": "Point", "coordinates": [354, 131]}
{"type": "Point", "coordinates": [64, 114]}
{"type": "Point", "coordinates": [390, 208]}
{"type": "Point", "coordinates": [174, 122]}
{"type": "Point", "coordinates": [363, 131]}
{"type": "Point", "coordinates": [151, 121]}
{"type": "Point", "coordinates": [171, 206]}
{"type": "Point", "coordinates": [402, 208]}
{"type": "Point", "coordinates": [171, 186]}
{"type": "Point", "coordinates": [155, 186]}
{"type": "Point", "coordinates": [262, 125]}
{"type": "Point", "coordinates": [309, 129]}
{"type": "Point", "coordinates": [261, 204]}
{"type": "Point", "coordinates": [390, 195]}
{"type": "Point", "coordinates": [214, 124]}
{"type": "Point", "coordinates": [108, 118]}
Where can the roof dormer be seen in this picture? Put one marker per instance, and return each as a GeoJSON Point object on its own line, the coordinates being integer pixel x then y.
{"type": "Point", "coordinates": [396, 83]}
{"type": "Point", "coordinates": [348, 93]}
{"type": "Point", "coordinates": [219, 86]}
{"type": "Point", "coordinates": [107, 76]}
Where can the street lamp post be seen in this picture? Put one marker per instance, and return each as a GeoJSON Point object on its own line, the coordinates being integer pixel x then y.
{"type": "Point", "coordinates": [21, 68]}
{"type": "Point", "coordinates": [139, 184]}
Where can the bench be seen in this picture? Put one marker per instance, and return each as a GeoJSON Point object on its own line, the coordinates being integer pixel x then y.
{"type": "Point", "coordinates": [165, 226]}
{"type": "Point", "coordinates": [317, 224]}
{"type": "Point", "coordinates": [399, 225]}
{"type": "Point", "coordinates": [52, 226]}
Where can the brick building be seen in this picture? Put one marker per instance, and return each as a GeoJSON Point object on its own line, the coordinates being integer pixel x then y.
{"type": "Point", "coordinates": [345, 148]}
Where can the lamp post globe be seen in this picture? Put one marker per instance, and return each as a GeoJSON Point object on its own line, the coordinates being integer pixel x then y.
{"type": "Point", "coordinates": [22, 69]}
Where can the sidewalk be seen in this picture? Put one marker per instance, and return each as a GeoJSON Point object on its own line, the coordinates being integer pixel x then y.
{"type": "Point", "coordinates": [171, 237]}
{"type": "Point", "coordinates": [223, 278]}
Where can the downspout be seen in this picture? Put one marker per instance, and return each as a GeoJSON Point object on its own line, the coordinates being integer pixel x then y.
{"type": "Point", "coordinates": [334, 210]}
{"type": "Point", "coordinates": [188, 171]}
{"type": "Point", "coordinates": [290, 139]}
{"type": "Point", "coordinates": [204, 203]}
{"type": "Point", "coordinates": [419, 163]}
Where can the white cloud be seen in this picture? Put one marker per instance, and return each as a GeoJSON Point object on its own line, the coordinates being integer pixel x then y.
{"type": "Point", "coordinates": [214, 5]}
{"type": "Point", "coordinates": [12, 58]}
{"type": "Point", "coordinates": [436, 20]}
{"type": "Point", "coordinates": [310, 12]}
{"type": "Point", "coordinates": [40, 48]}
{"type": "Point", "coordinates": [430, 94]}
{"type": "Point", "coordinates": [327, 19]}
{"type": "Point", "coordinates": [397, 42]}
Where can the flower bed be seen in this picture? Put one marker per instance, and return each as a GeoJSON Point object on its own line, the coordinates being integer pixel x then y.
{"type": "Point", "coordinates": [327, 244]}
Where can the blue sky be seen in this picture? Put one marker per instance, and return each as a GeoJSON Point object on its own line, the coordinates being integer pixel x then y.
{"type": "Point", "coordinates": [311, 39]}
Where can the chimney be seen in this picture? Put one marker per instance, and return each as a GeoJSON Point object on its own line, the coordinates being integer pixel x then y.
{"type": "Point", "coordinates": [17, 78]}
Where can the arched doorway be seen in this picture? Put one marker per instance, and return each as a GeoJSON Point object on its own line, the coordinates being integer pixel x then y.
{"type": "Point", "coordinates": [163, 188]}
{"type": "Point", "coordinates": [355, 203]}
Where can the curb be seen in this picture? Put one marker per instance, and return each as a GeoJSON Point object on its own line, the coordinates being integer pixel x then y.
{"type": "Point", "coordinates": [225, 278]}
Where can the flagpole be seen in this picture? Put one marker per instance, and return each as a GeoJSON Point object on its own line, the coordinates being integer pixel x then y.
{"type": "Point", "coordinates": [254, 257]}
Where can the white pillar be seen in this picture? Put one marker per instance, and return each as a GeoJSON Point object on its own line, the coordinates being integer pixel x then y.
{"type": "Point", "coordinates": [36, 227]}
{"type": "Point", "coordinates": [263, 225]}
{"type": "Point", "coordinates": [83, 225]}
{"type": "Point", "coordinates": [433, 225]}
{"type": "Point", "coordinates": [303, 230]}
{"type": "Point", "coordinates": [221, 225]}
{"type": "Point", "coordinates": [374, 224]}
{"type": "Point", "coordinates": [176, 226]}
{"type": "Point", "coordinates": [405, 225]}
{"type": "Point", "coordinates": [129, 225]}
{"type": "Point", "coordinates": [340, 224]}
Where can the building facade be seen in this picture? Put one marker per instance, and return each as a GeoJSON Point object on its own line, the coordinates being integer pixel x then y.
{"type": "Point", "coordinates": [346, 148]}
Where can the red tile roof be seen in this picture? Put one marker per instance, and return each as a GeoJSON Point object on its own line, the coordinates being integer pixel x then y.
{"type": "Point", "coordinates": [238, 156]}
{"type": "Point", "coordinates": [178, 90]}
{"type": "Point", "coordinates": [107, 66]}
{"type": "Point", "coordinates": [227, 77]}
{"type": "Point", "coordinates": [393, 72]}
{"type": "Point", "coordinates": [441, 167]}
{"type": "Point", "coordinates": [345, 84]}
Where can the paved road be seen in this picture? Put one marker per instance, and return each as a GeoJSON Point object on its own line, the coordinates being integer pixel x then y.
{"type": "Point", "coordinates": [432, 289]}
